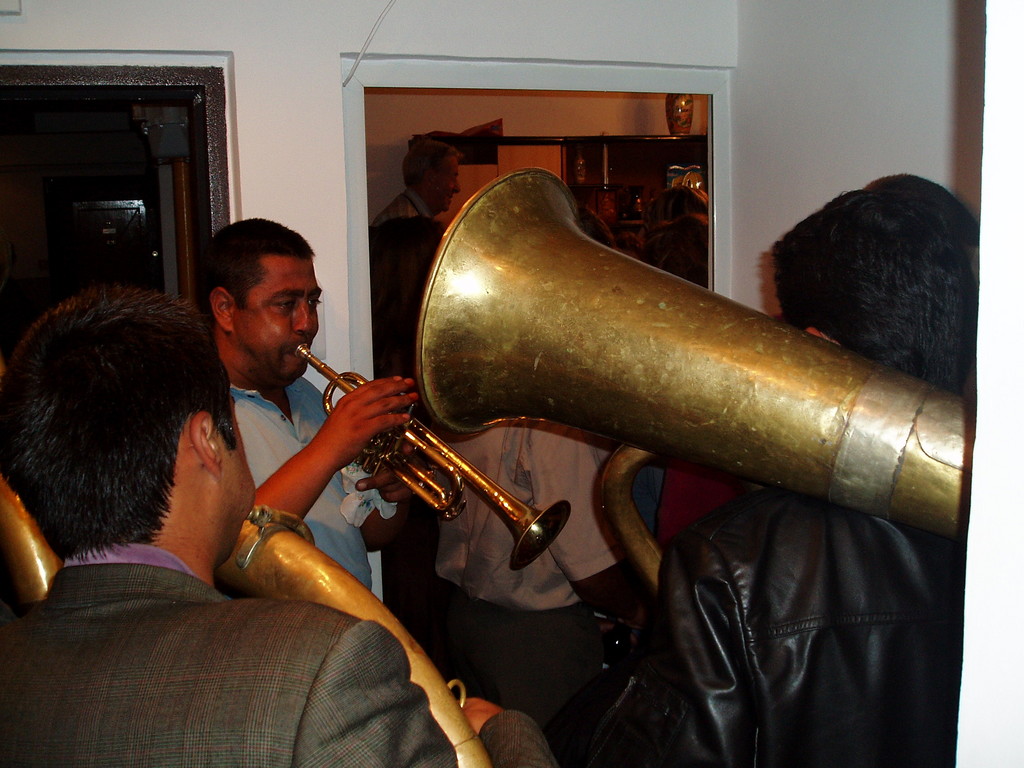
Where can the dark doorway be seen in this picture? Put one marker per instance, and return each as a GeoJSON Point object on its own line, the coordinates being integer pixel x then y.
{"type": "Point", "coordinates": [112, 174]}
{"type": "Point", "coordinates": [103, 229]}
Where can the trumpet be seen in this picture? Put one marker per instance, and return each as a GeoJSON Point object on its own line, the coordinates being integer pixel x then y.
{"type": "Point", "coordinates": [532, 529]}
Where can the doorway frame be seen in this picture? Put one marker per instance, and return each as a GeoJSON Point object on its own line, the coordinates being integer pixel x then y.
{"type": "Point", "coordinates": [506, 74]}
{"type": "Point", "coordinates": [209, 73]}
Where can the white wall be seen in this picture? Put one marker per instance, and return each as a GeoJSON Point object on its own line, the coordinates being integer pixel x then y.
{"type": "Point", "coordinates": [286, 84]}
{"type": "Point", "coordinates": [991, 732]}
{"type": "Point", "coordinates": [824, 96]}
{"type": "Point", "coordinates": [829, 96]}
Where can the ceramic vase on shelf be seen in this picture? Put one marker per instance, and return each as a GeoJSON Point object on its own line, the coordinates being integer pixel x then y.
{"type": "Point", "coordinates": [679, 113]}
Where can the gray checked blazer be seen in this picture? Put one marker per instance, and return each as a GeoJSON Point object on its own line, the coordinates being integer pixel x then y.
{"type": "Point", "coordinates": [134, 665]}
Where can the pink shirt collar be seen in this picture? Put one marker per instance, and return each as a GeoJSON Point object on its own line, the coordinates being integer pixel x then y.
{"type": "Point", "coordinates": [137, 554]}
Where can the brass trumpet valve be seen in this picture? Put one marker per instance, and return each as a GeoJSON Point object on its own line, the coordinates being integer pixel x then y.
{"type": "Point", "coordinates": [382, 450]}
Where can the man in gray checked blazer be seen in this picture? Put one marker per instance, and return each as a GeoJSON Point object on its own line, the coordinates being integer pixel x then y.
{"type": "Point", "coordinates": [116, 429]}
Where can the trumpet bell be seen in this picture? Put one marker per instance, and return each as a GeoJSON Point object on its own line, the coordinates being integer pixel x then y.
{"type": "Point", "coordinates": [533, 536]}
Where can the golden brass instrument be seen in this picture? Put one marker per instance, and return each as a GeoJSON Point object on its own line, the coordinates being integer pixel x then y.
{"type": "Point", "coordinates": [532, 530]}
{"type": "Point", "coordinates": [641, 547]}
{"type": "Point", "coordinates": [384, 449]}
{"type": "Point", "coordinates": [29, 559]}
{"type": "Point", "coordinates": [525, 316]}
{"type": "Point", "coordinates": [272, 558]}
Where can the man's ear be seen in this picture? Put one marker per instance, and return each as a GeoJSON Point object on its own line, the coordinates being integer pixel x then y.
{"type": "Point", "coordinates": [222, 307]}
{"type": "Point", "coordinates": [205, 441]}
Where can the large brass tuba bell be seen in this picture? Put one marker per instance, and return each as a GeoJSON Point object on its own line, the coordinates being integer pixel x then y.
{"type": "Point", "coordinates": [524, 316]}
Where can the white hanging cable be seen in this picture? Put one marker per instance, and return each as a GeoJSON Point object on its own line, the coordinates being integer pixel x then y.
{"type": "Point", "coordinates": [368, 39]}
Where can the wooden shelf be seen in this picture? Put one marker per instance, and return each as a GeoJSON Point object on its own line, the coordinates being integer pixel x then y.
{"type": "Point", "coordinates": [626, 167]}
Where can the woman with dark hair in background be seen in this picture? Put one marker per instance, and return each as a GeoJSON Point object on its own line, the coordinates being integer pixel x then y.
{"type": "Point", "coordinates": [680, 246]}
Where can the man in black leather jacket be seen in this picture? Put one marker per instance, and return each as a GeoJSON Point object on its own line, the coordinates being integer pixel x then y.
{"type": "Point", "coordinates": [793, 632]}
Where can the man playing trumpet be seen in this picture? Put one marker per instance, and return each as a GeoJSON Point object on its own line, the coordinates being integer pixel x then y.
{"type": "Point", "coordinates": [263, 300]}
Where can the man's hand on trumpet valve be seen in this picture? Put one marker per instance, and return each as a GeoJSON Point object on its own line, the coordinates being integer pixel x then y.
{"type": "Point", "coordinates": [368, 410]}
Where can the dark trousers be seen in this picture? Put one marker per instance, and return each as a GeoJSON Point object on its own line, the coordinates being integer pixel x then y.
{"type": "Point", "coordinates": [412, 589]}
{"type": "Point", "coordinates": [532, 661]}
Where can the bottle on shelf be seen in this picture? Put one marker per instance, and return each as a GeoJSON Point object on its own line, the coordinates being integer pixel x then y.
{"type": "Point", "coordinates": [580, 166]}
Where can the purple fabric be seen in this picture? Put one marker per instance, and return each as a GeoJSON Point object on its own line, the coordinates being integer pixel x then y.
{"type": "Point", "coordinates": [138, 554]}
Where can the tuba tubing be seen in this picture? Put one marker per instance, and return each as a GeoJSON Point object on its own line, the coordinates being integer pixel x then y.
{"type": "Point", "coordinates": [287, 566]}
{"type": "Point", "coordinates": [642, 549]}
{"type": "Point", "coordinates": [525, 316]}
{"type": "Point", "coordinates": [29, 560]}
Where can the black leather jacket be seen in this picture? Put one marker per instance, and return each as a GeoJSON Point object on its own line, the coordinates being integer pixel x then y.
{"type": "Point", "coordinates": [796, 633]}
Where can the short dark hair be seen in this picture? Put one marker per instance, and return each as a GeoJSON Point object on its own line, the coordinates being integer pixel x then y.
{"type": "Point", "coordinates": [882, 273]}
{"type": "Point", "coordinates": [233, 258]}
{"type": "Point", "coordinates": [961, 222]}
{"type": "Point", "coordinates": [91, 412]}
{"type": "Point", "coordinates": [423, 155]}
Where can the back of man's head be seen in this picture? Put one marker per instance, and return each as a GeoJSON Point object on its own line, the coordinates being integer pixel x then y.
{"type": "Point", "coordinates": [883, 274]}
{"type": "Point", "coordinates": [423, 155]}
{"type": "Point", "coordinates": [233, 258]}
{"type": "Point", "coordinates": [961, 222]}
{"type": "Point", "coordinates": [92, 407]}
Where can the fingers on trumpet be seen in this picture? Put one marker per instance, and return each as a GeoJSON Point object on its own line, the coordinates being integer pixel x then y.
{"type": "Point", "coordinates": [357, 418]}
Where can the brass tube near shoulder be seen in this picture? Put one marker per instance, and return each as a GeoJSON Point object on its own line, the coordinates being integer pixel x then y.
{"type": "Point", "coordinates": [29, 559]}
{"type": "Point", "coordinates": [288, 566]}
